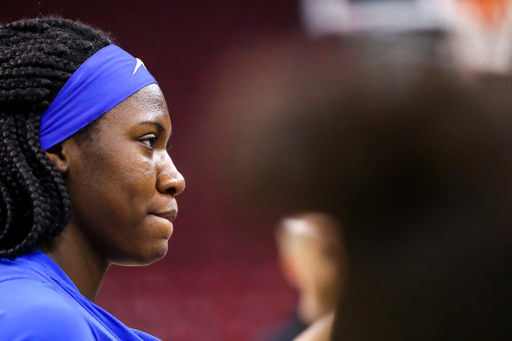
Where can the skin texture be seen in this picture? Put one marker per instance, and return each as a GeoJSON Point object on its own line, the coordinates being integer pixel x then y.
{"type": "Point", "coordinates": [122, 184]}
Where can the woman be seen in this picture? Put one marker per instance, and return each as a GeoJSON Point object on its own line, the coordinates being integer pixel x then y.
{"type": "Point", "coordinates": [86, 180]}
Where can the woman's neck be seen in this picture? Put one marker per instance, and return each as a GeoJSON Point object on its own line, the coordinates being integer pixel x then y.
{"type": "Point", "coordinates": [85, 269]}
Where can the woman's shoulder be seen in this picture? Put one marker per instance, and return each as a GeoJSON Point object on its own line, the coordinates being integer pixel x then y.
{"type": "Point", "coordinates": [35, 310]}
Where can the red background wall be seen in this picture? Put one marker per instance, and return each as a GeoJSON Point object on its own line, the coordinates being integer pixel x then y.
{"type": "Point", "coordinates": [220, 280]}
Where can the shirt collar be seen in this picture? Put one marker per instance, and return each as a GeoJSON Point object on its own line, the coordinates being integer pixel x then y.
{"type": "Point", "coordinates": [44, 265]}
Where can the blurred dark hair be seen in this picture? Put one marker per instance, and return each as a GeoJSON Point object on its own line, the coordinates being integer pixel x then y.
{"type": "Point", "coordinates": [413, 156]}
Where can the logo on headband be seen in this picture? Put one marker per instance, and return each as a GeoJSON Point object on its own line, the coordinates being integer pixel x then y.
{"type": "Point", "coordinates": [138, 65]}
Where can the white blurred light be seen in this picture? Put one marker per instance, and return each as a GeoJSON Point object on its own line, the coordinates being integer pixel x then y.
{"type": "Point", "coordinates": [474, 44]}
{"type": "Point", "coordinates": [338, 16]}
{"type": "Point", "coordinates": [477, 44]}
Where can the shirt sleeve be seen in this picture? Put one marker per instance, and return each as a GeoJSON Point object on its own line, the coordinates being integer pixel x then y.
{"type": "Point", "coordinates": [40, 314]}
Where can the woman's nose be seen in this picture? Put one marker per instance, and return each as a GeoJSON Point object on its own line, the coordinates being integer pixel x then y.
{"type": "Point", "coordinates": [169, 180]}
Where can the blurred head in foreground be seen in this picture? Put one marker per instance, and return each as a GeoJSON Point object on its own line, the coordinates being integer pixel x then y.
{"type": "Point", "coordinates": [311, 254]}
{"type": "Point", "coordinates": [413, 157]}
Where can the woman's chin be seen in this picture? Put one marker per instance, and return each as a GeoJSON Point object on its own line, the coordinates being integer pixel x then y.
{"type": "Point", "coordinates": [145, 258]}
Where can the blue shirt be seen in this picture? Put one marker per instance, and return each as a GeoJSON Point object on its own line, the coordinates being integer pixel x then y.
{"type": "Point", "coordinates": [39, 302]}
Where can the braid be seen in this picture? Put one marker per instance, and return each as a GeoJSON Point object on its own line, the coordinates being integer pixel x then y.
{"type": "Point", "coordinates": [37, 57]}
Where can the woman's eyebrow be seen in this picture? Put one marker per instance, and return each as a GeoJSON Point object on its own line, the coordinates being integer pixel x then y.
{"type": "Point", "coordinates": [156, 123]}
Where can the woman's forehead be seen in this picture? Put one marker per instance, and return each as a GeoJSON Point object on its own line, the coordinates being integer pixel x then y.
{"type": "Point", "coordinates": [146, 105]}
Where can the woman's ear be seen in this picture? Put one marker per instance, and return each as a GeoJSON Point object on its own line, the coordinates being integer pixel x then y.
{"type": "Point", "coordinates": [58, 155]}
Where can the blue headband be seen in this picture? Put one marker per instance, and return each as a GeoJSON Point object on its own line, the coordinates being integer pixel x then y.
{"type": "Point", "coordinates": [103, 81]}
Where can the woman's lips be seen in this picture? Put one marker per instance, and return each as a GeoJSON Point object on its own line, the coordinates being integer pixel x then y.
{"type": "Point", "coordinates": [169, 215]}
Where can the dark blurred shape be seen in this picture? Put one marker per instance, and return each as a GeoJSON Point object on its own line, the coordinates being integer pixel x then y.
{"type": "Point", "coordinates": [413, 156]}
{"type": "Point", "coordinates": [285, 330]}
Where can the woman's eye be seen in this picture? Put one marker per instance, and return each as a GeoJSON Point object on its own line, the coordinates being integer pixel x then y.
{"type": "Point", "coordinates": [149, 140]}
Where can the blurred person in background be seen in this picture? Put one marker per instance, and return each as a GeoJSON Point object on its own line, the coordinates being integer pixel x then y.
{"type": "Point", "coordinates": [412, 155]}
{"type": "Point", "coordinates": [311, 256]}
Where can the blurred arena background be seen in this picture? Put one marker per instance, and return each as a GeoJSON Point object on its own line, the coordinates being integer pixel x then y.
{"type": "Point", "coordinates": [220, 280]}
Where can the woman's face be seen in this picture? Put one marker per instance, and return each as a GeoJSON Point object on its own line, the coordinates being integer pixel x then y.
{"type": "Point", "coordinates": [123, 183]}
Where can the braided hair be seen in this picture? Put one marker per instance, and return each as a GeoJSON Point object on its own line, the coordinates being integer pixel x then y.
{"type": "Point", "coordinates": [37, 56]}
